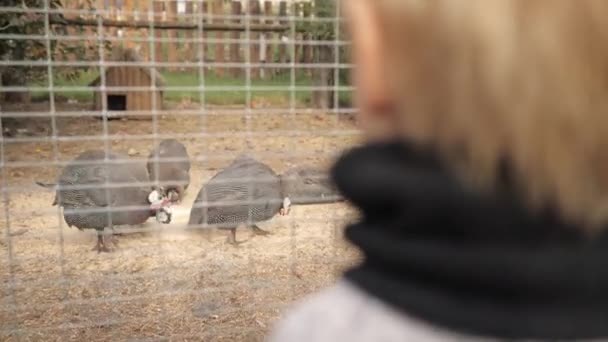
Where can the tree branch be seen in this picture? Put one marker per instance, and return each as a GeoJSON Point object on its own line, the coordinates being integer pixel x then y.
{"type": "Point", "coordinates": [9, 25]}
{"type": "Point", "coordinates": [168, 25]}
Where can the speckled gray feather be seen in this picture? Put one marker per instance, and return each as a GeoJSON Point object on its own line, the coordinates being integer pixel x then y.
{"type": "Point", "coordinates": [97, 197]}
{"type": "Point", "coordinates": [173, 174]}
{"type": "Point", "coordinates": [250, 190]}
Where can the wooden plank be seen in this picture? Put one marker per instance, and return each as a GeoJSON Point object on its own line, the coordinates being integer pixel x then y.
{"type": "Point", "coordinates": [140, 8]}
{"type": "Point", "coordinates": [172, 45]}
{"type": "Point", "coordinates": [127, 9]}
{"type": "Point", "coordinates": [220, 47]}
{"type": "Point", "coordinates": [269, 53]}
{"type": "Point", "coordinates": [282, 46]}
{"type": "Point", "coordinates": [188, 34]}
{"type": "Point", "coordinates": [140, 100]}
{"type": "Point", "coordinates": [307, 51]}
{"type": "Point", "coordinates": [70, 5]}
{"type": "Point", "coordinates": [127, 14]}
{"type": "Point", "coordinates": [71, 31]}
{"type": "Point", "coordinates": [90, 32]}
{"type": "Point", "coordinates": [144, 98]}
{"type": "Point", "coordinates": [128, 82]}
{"type": "Point", "coordinates": [296, 12]}
{"type": "Point", "coordinates": [235, 55]}
{"type": "Point", "coordinates": [254, 38]}
{"type": "Point", "coordinates": [158, 46]}
{"type": "Point", "coordinates": [322, 98]}
{"type": "Point", "coordinates": [205, 11]}
{"type": "Point", "coordinates": [111, 31]}
{"type": "Point", "coordinates": [132, 97]}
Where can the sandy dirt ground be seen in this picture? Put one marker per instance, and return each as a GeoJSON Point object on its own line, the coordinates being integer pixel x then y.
{"type": "Point", "coordinates": [163, 282]}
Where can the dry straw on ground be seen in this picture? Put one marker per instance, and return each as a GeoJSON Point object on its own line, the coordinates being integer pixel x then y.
{"type": "Point", "coordinates": [165, 283]}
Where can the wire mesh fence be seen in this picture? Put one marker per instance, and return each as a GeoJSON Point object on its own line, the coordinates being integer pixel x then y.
{"type": "Point", "coordinates": [255, 92]}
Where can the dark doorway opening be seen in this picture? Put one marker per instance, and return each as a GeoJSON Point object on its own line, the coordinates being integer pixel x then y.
{"type": "Point", "coordinates": [117, 102]}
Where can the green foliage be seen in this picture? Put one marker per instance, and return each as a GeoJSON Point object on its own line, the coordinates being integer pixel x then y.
{"type": "Point", "coordinates": [191, 79]}
{"type": "Point", "coordinates": [318, 30]}
{"type": "Point", "coordinates": [325, 30]}
{"type": "Point", "coordinates": [24, 24]}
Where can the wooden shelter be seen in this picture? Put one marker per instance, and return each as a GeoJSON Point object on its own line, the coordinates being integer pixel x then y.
{"type": "Point", "coordinates": [137, 75]}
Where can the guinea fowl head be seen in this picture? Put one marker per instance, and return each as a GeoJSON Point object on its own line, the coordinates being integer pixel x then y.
{"type": "Point", "coordinates": [160, 206]}
{"type": "Point", "coordinates": [286, 207]}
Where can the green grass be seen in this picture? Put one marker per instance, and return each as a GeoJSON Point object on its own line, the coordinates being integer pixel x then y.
{"type": "Point", "coordinates": [191, 79]}
{"type": "Point", "coordinates": [220, 96]}
{"type": "Point", "coordinates": [84, 79]}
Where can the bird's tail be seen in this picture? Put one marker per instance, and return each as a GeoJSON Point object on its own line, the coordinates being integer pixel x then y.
{"type": "Point", "coordinates": [198, 219]}
{"type": "Point", "coordinates": [196, 215]}
{"type": "Point", "coordinates": [48, 186]}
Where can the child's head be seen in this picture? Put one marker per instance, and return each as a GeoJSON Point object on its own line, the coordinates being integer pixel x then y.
{"type": "Point", "coordinates": [488, 80]}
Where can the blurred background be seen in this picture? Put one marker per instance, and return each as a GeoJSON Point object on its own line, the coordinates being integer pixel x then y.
{"type": "Point", "coordinates": [265, 78]}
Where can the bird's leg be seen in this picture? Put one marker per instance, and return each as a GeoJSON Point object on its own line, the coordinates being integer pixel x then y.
{"type": "Point", "coordinates": [258, 231]}
{"type": "Point", "coordinates": [232, 237]}
{"type": "Point", "coordinates": [114, 238]}
{"type": "Point", "coordinates": [100, 246]}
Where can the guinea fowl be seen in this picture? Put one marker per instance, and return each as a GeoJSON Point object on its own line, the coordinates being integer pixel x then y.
{"type": "Point", "coordinates": [97, 194]}
{"type": "Point", "coordinates": [169, 164]}
{"type": "Point", "coordinates": [248, 192]}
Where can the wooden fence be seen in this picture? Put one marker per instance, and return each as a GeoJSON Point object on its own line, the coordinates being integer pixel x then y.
{"type": "Point", "coordinates": [266, 39]}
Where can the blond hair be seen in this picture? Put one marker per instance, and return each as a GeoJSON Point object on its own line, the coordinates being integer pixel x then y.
{"type": "Point", "coordinates": [525, 80]}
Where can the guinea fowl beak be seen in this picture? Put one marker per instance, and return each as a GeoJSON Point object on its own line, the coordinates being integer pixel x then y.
{"type": "Point", "coordinates": [286, 207]}
{"type": "Point", "coordinates": [160, 204]}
